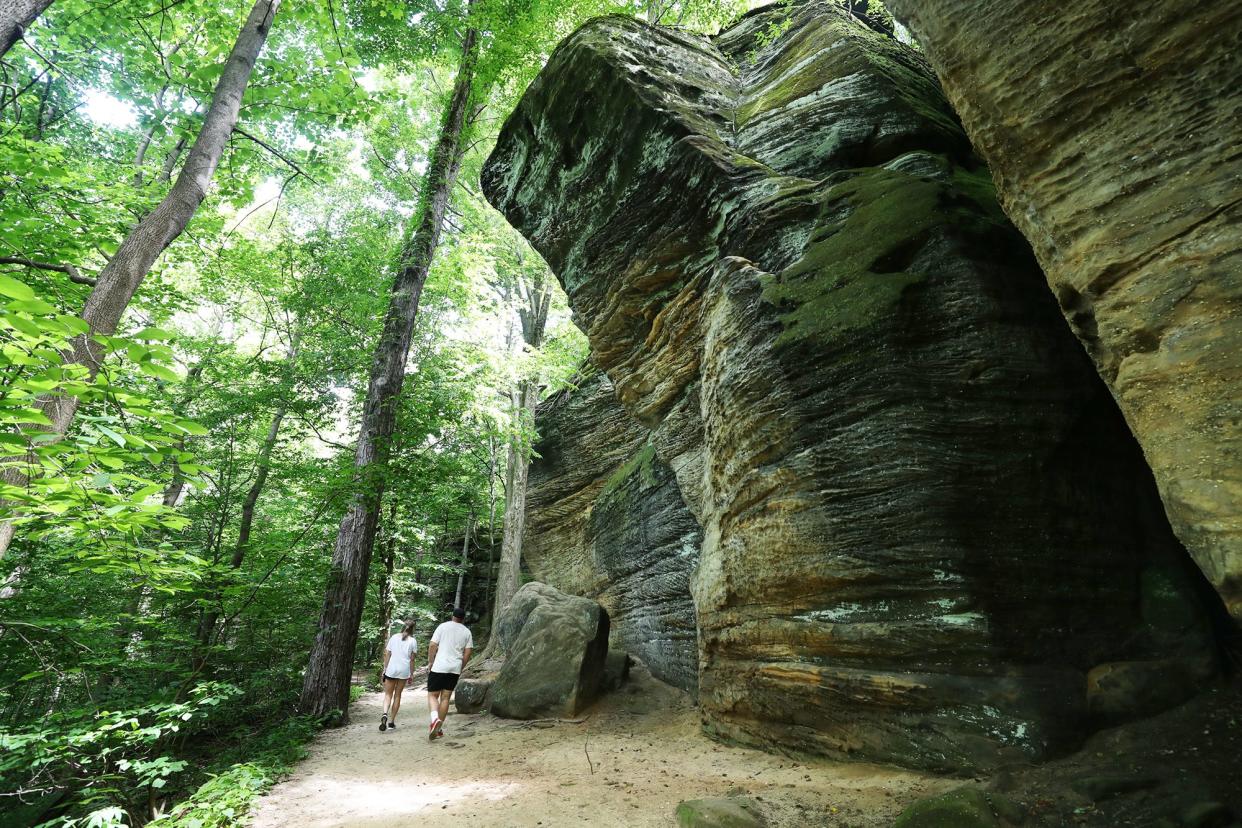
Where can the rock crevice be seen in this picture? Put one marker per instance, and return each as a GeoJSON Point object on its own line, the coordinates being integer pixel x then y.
{"type": "Point", "coordinates": [1113, 137]}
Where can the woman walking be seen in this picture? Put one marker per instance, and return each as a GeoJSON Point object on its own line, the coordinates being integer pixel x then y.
{"type": "Point", "coordinates": [398, 672]}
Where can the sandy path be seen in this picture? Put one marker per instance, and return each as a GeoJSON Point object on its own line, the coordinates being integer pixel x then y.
{"type": "Point", "coordinates": [644, 742]}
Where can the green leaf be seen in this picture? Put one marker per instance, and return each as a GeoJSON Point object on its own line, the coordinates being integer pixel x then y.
{"type": "Point", "coordinates": [35, 305]}
{"type": "Point", "coordinates": [145, 492]}
{"type": "Point", "coordinates": [154, 333]}
{"type": "Point", "coordinates": [24, 325]}
{"type": "Point", "coordinates": [17, 290]}
{"type": "Point", "coordinates": [73, 323]}
{"type": "Point", "coordinates": [191, 427]}
{"type": "Point", "coordinates": [154, 369]}
{"type": "Point", "coordinates": [116, 438]}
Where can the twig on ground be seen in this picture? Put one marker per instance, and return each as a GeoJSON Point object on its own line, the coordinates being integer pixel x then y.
{"type": "Point", "coordinates": [585, 741]}
{"type": "Point", "coordinates": [537, 722]}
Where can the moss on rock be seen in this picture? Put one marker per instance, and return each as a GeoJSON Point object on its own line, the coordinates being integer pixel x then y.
{"type": "Point", "coordinates": [965, 807]}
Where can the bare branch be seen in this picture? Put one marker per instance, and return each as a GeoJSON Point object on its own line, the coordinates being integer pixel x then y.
{"type": "Point", "coordinates": [69, 270]}
{"type": "Point", "coordinates": [276, 153]}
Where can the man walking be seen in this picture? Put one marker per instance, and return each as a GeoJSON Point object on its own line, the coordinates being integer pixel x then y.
{"type": "Point", "coordinates": [451, 646]}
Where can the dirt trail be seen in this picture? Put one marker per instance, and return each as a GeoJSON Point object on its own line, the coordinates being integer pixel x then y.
{"type": "Point", "coordinates": [644, 743]}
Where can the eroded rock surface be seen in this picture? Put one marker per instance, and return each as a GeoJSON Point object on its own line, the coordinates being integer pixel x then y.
{"type": "Point", "coordinates": [923, 520]}
{"type": "Point", "coordinates": [606, 520]}
{"type": "Point", "coordinates": [1113, 132]}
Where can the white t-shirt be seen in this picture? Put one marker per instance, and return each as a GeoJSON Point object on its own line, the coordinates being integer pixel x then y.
{"type": "Point", "coordinates": [454, 639]}
{"type": "Point", "coordinates": [399, 661]}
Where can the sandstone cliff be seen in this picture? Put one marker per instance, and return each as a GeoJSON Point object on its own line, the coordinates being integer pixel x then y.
{"type": "Point", "coordinates": [1113, 133]}
{"type": "Point", "coordinates": [607, 520]}
{"type": "Point", "coordinates": [924, 534]}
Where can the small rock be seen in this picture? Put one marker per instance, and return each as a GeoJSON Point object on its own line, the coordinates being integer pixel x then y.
{"type": "Point", "coordinates": [966, 807]}
{"type": "Point", "coordinates": [1106, 786]}
{"type": "Point", "coordinates": [1206, 815]}
{"type": "Point", "coordinates": [471, 695]}
{"type": "Point", "coordinates": [719, 812]}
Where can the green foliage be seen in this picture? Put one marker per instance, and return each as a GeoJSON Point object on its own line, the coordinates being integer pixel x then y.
{"type": "Point", "coordinates": [172, 548]}
{"type": "Point", "coordinates": [96, 492]}
{"type": "Point", "coordinates": [225, 797]}
{"type": "Point", "coordinates": [109, 755]}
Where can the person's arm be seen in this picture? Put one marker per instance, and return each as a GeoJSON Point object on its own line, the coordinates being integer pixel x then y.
{"type": "Point", "coordinates": [413, 654]}
{"type": "Point", "coordinates": [431, 653]}
{"type": "Point", "coordinates": [465, 657]}
{"type": "Point", "coordinates": [387, 655]}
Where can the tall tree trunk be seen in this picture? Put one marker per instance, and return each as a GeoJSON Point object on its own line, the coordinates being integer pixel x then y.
{"type": "Point", "coordinates": [326, 686]}
{"type": "Point", "coordinates": [534, 317]}
{"type": "Point", "coordinates": [489, 587]}
{"type": "Point", "coordinates": [15, 17]}
{"type": "Point", "coordinates": [123, 274]}
{"type": "Point", "coordinates": [465, 559]}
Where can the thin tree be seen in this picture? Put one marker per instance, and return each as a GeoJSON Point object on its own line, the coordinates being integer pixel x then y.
{"type": "Point", "coordinates": [536, 296]}
{"type": "Point", "coordinates": [123, 274]}
{"type": "Point", "coordinates": [465, 558]}
{"type": "Point", "coordinates": [326, 685]}
{"type": "Point", "coordinates": [15, 18]}
{"type": "Point", "coordinates": [263, 468]}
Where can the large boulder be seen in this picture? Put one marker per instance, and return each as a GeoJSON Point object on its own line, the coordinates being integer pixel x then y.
{"type": "Point", "coordinates": [922, 518]}
{"type": "Point", "coordinates": [556, 649]}
{"type": "Point", "coordinates": [1112, 131]}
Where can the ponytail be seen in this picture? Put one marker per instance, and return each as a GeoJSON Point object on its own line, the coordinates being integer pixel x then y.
{"type": "Point", "coordinates": [407, 630]}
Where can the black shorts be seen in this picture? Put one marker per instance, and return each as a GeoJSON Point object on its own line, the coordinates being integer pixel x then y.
{"type": "Point", "coordinates": [390, 678]}
{"type": "Point", "coordinates": [441, 681]}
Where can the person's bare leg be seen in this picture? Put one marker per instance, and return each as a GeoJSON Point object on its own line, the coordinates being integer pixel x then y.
{"type": "Point", "coordinates": [398, 686]}
{"type": "Point", "coordinates": [433, 704]}
{"type": "Point", "coordinates": [388, 687]}
{"type": "Point", "coordinates": [444, 704]}
{"type": "Point", "coordinates": [433, 701]}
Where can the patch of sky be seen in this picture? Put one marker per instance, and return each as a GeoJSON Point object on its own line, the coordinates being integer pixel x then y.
{"type": "Point", "coordinates": [108, 111]}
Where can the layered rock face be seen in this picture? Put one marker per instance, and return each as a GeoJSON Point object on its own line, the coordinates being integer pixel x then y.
{"type": "Point", "coordinates": [923, 522]}
{"type": "Point", "coordinates": [1113, 132]}
{"type": "Point", "coordinates": [606, 520]}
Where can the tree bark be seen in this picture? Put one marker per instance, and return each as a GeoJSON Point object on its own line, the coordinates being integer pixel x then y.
{"type": "Point", "coordinates": [489, 584]}
{"type": "Point", "coordinates": [123, 274]}
{"type": "Point", "coordinates": [509, 572]}
{"type": "Point", "coordinates": [15, 18]}
{"type": "Point", "coordinates": [326, 685]}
